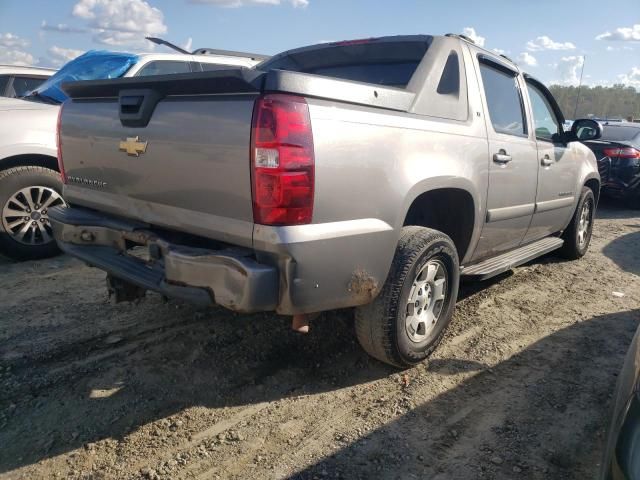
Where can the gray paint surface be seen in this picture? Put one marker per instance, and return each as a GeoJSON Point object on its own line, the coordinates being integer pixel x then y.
{"type": "Point", "coordinates": [371, 162]}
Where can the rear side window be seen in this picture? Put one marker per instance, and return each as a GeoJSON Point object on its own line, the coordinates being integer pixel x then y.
{"type": "Point", "coordinates": [450, 80]}
{"type": "Point", "coordinates": [23, 85]}
{"type": "Point", "coordinates": [164, 67]}
{"type": "Point", "coordinates": [389, 63]}
{"type": "Point", "coordinates": [4, 80]}
{"type": "Point", "coordinates": [209, 67]}
{"type": "Point", "coordinates": [621, 134]}
{"type": "Point", "coordinates": [504, 100]}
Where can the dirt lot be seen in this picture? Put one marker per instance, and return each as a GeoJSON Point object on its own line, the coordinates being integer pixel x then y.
{"type": "Point", "coordinates": [520, 387]}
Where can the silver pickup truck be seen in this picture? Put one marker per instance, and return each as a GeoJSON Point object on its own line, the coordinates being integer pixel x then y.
{"type": "Point", "coordinates": [369, 173]}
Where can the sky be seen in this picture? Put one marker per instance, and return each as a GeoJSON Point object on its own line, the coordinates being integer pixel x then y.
{"type": "Point", "coordinates": [550, 39]}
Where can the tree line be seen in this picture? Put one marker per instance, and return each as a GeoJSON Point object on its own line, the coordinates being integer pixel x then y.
{"type": "Point", "coordinates": [617, 101]}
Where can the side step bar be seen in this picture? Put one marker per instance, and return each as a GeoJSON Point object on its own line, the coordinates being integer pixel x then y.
{"type": "Point", "coordinates": [497, 265]}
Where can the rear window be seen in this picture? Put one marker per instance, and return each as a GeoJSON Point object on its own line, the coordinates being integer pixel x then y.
{"type": "Point", "coordinates": [620, 133]}
{"type": "Point", "coordinates": [23, 85]}
{"type": "Point", "coordinates": [381, 62]}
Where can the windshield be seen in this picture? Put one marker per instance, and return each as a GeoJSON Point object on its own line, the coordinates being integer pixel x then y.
{"type": "Point", "coordinates": [93, 65]}
{"type": "Point", "coordinates": [389, 61]}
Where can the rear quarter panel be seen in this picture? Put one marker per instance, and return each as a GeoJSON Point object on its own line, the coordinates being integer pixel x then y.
{"type": "Point", "coordinates": [27, 132]}
{"type": "Point", "coordinates": [370, 166]}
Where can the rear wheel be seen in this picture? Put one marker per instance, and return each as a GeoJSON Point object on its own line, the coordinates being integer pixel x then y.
{"type": "Point", "coordinates": [404, 324]}
{"type": "Point", "coordinates": [26, 195]}
{"type": "Point", "coordinates": [577, 236]}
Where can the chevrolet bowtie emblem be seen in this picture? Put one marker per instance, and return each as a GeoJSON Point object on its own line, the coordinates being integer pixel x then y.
{"type": "Point", "coordinates": [133, 146]}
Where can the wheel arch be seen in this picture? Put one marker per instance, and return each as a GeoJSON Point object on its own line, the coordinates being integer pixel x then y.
{"type": "Point", "coordinates": [450, 210]}
{"type": "Point", "coordinates": [29, 159]}
{"type": "Point", "coordinates": [594, 184]}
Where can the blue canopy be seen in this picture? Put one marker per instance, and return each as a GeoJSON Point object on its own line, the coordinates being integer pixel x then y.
{"type": "Point", "coordinates": [93, 65]}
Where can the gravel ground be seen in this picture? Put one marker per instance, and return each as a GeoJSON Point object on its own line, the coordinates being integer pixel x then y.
{"type": "Point", "coordinates": [519, 388]}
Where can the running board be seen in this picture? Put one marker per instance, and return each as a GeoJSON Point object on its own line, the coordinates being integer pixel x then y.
{"type": "Point", "coordinates": [500, 264]}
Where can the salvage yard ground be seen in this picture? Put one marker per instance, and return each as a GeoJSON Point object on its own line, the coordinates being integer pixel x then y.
{"type": "Point", "coordinates": [519, 388]}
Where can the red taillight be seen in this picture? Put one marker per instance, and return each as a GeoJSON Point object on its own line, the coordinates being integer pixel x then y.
{"type": "Point", "coordinates": [282, 161]}
{"type": "Point", "coordinates": [59, 145]}
{"type": "Point", "coordinates": [626, 152]}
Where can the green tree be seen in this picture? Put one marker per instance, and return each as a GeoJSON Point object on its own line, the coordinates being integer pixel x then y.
{"type": "Point", "coordinates": [617, 101]}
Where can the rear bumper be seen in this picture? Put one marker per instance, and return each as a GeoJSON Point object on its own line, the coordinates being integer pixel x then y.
{"type": "Point", "coordinates": [619, 180]}
{"type": "Point", "coordinates": [228, 277]}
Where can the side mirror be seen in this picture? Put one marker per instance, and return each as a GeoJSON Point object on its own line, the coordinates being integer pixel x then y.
{"type": "Point", "coordinates": [584, 129]}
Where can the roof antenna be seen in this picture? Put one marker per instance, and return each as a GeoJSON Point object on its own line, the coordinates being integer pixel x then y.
{"type": "Point", "coordinates": [575, 111]}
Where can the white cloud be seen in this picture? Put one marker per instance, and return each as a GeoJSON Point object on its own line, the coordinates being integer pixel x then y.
{"type": "Point", "coordinates": [625, 34]}
{"type": "Point", "coordinates": [9, 40]}
{"type": "Point", "coordinates": [499, 51]}
{"type": "Point", "coordinates": [569, 69]}
{"type": "Point", "coordinates": [632, 78]}
{"type": "Point", "coordinates": [15, 57]}
{"type": "Point", "coordinates": [545, 43]}
{"type": "Point", "coordinates": [58, 56]}
{"type": "Point", "coordinates": [473, 35]}
{"type": "Point", "coordinates": [242, 3]}
{"type": "Point", "coordinates": [188, 46]}
{"type": "Point", "coordinates": [12, 50]}
{"type": "Point", "coordinates": [61, 28]}
{"type": "Point", "coordinates": [525, 58]}
{"type": "Point", "coordinates": [121, 22]}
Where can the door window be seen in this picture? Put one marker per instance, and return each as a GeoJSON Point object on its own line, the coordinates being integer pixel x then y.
{"type": "Point", "coordinates": [504, 100]}
{"type": "Point", "coordinates": [544, 119]}
{"type": "Point", "coordinates": [164, 67]}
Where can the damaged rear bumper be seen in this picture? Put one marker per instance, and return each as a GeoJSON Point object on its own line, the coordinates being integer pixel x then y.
{"type": "Point", "coordinates": [229, 277]}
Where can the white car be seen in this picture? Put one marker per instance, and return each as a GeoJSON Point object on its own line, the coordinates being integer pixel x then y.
{"type": "Point", "coordinates": [16, 81]}
{"type": "Point", "coordinates": [29, 179]}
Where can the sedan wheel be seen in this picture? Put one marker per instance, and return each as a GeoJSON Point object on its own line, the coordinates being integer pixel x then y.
{"type": "Point", "coordinates": [25, 215]}
{"type": "Point", "coordinates": [27, 194]}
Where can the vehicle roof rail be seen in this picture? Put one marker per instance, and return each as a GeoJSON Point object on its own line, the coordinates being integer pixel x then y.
{"type": "Point", "coordinates": [459, 35]}
{"type": "Point", "coordinates": [230, 53]}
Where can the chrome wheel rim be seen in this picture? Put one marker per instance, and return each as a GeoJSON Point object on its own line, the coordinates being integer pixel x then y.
{"type": "Point", "coordinates": [25, 216]}
{"type": "Point", "coordinates": [426, 300]}
{"type": "Point", "coordinates": [584, 224]}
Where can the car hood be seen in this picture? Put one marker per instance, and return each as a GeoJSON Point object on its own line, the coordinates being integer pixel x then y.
{"type": "Point", "coordinates": [11, 104]}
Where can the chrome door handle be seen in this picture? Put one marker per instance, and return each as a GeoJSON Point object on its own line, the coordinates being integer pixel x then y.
{"type": "Point", "coordinates": [501, 157]}
{"type": "Point", "coordinates": [546, 161]}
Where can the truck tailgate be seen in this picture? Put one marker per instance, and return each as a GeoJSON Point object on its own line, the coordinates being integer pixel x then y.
{"type": "Point", "coordinates": [187, 168]}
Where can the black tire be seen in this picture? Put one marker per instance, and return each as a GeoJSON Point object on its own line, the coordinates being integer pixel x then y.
{"type": "Point", "coordinates": [12, 181]}
{"type": "Point", "coordinates": [573, 249]}
{"type": "Point", "coordinates": [380, 325]}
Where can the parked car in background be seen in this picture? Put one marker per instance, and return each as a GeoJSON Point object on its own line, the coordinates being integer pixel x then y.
{"type": "Point", "coordinates": [621, 454]}
{"type": "Point", "coordinates": [18, 81]}
{"type": "Point", "coordinates": [369, 173]}
{"type": "Point", "coordinates": [618, 154]}
{"type": "Point", "coordinates": [29, 177]}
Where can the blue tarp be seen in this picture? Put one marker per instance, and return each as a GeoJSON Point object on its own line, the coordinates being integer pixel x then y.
{"type": "Point", "coordinates": [93, 65]}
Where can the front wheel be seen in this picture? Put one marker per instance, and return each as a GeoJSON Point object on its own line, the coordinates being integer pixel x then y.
{"type": "Point", "coordinates": [577, 236]}
{"type": "Point", "coordinates": [26, 195]}
{"type": "Point", "coordinates": [405, 323]}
